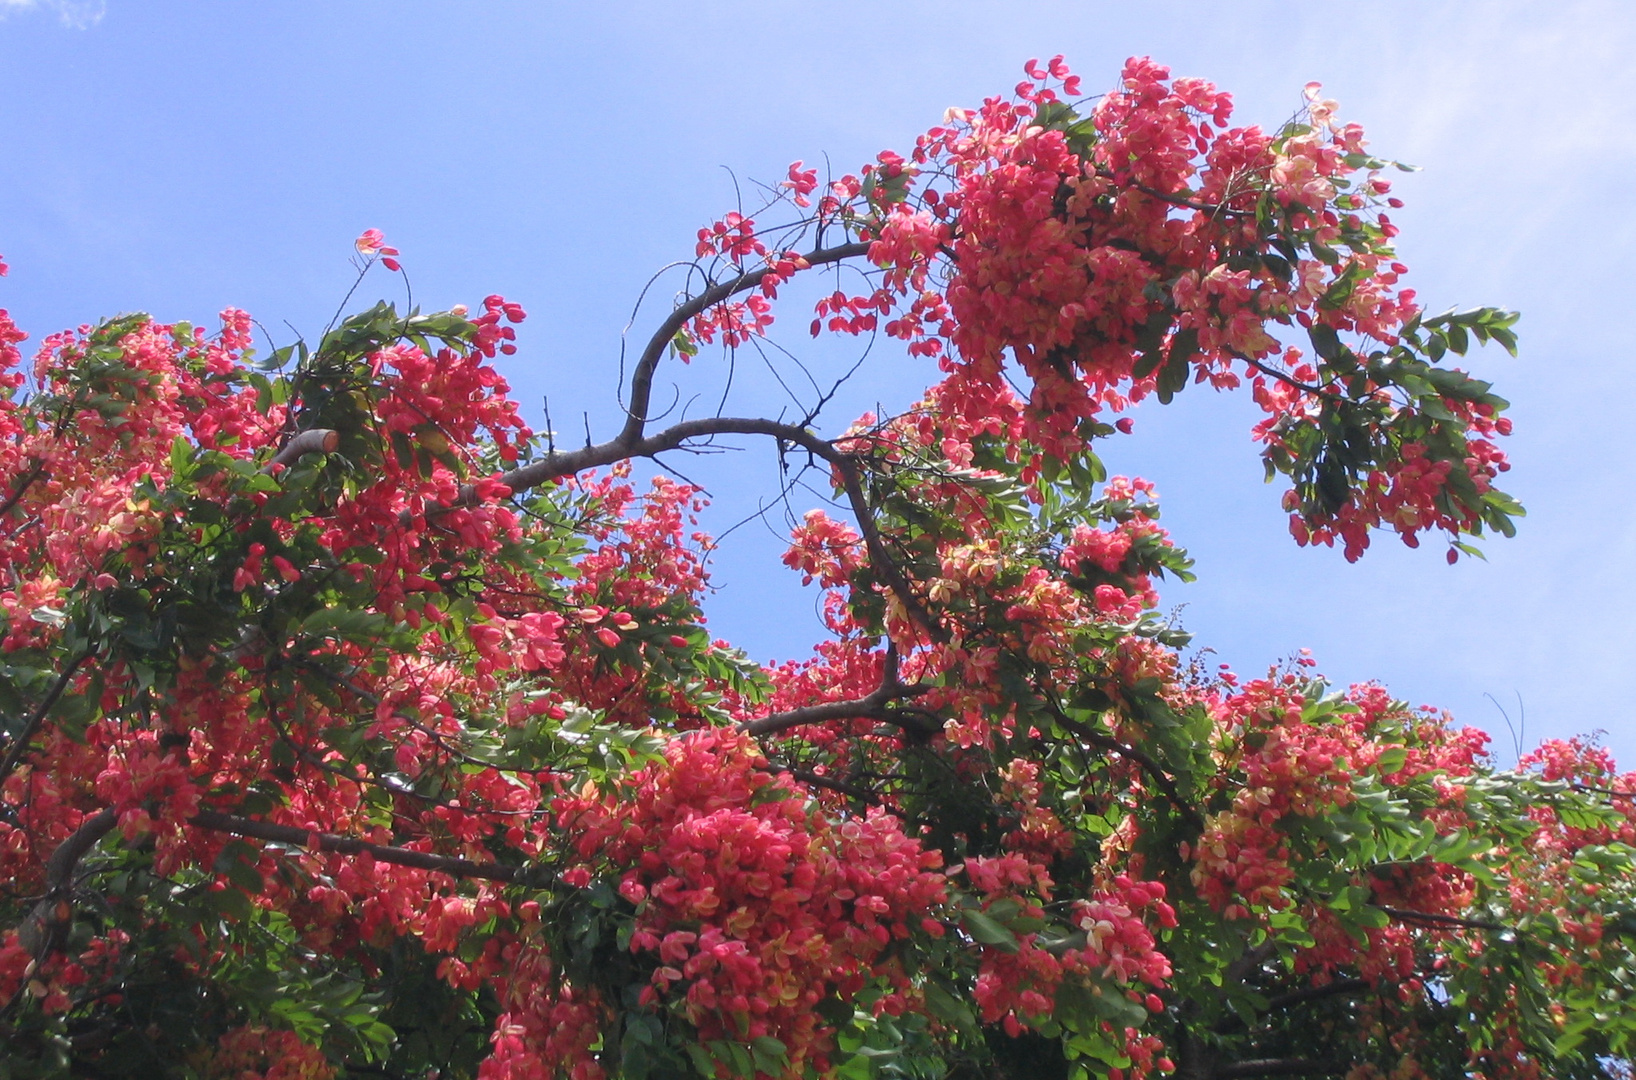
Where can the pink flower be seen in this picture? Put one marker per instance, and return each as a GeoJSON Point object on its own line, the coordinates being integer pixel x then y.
{"type": "Point", "coordinates": [372, 243]}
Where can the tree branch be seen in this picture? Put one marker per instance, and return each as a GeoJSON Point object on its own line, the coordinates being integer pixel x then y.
{"type": "Point", "coordinates": [43, 930]}
{"type": "Point", "coordinates": [1272, 1067]}
{"type": "Point", "coordinates": [632, 440]}
{"type": "Point", "coordinates": [1435, 919]}
{"type": "Point", "coordinates": [311, 441]}
{"type": "Point", "coordinates": [19, 745]}
{"type": "Point", "coordinates": [37, 472]}
{"type": "Point", "coordinates": [1288, 380]}
{"type": "Point", "coordinates": [840, 787]}
{"type": "Point", "coordinates": [875, 706]}
{"type": "Point", "coordinates": [1317, 993]}
{"type": "Point", "coordinates": [642, 378]}
{"type": "Point", "coordinates": [676, 437]}
{"type": "Point", "coordinates": [1295, 998]}
{"type": "Point", "coordinates": [1177, 200]}
{"type": "Point", "coordinates": [879, 557]}
{"type": "Point", "coordinates": [1166, 785]}
{"type": "Point", "coordinates": [350, 845]}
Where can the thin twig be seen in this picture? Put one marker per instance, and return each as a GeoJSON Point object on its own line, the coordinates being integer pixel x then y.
{"type": "Point", "coordinates": [1107, 742]}
{"type": "Point", "coordinates": [19, 745]}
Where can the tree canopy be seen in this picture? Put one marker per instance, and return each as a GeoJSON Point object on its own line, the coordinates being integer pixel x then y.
{"type": "Point", "coordinates": [353, 728]}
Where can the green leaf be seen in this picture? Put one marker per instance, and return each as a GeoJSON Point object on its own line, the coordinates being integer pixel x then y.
{"type": "Point", "coordinates": [988, 932]}
{"type": "Point", "coordinates": [1390, 761]}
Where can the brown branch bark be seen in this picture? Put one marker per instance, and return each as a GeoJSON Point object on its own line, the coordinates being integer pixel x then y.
{"type": "Point", "coordinates": [1317, 993]}
{"type": "Point", "coordinates": [47, 923]}
{"type": "Point", "coordinates": [351, 845]}
{"type": "Point", "coordinates": [879, 557]}
{"type": "Point", "coordinates": [677, 436]}
{"type": "Point", "coordinates": [875, 706]}
{"type": "Point", "coordinates": [1178, 200]}
{"type": "Point", "coordinates": [642, 378]}
{"type": "Point", "coordinates": [311, 441]}
{"type": "Point", "coordinates": [632, 440]}
{"type": "Point", "coordinates": [840, 787]}
{"type": "Point", "coordinates": [1296, 998]}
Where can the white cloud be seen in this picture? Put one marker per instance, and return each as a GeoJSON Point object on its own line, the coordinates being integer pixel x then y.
{"type": "Point", "coordinates": [74, 14]}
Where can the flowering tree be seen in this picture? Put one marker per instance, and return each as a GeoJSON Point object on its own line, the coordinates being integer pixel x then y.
{"type": "Point", "coordinates": [350, 728]}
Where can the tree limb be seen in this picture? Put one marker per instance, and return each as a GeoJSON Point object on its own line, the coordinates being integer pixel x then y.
{"type": "Point", "coordinates": [632, 440]}
{"type": "Point", "coordinates": [311, 441]}
{"type": "Point", "coordinates": [875, 706]}
{"type": "Point", "coordinates": [642, 378]}
{"type": "Point", "coordinates": [351, 845]}
{"type": "Point", "coordinates": [676, 436]}
{"type": "Point", "coordinates": [27, 481]}
{"type": "Point", "coordinates": [1316, 993]}
{"type": "Point", "coordinates": [879, 557]}
{"type": "Point", "coordinates": [44, 928]}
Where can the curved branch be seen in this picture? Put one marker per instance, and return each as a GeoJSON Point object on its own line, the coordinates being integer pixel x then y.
{"type": "Point", "coordinates": [311, 441]}
{"type": "Point", "coordinates": [874, 706]}
{"type": "Point", "coordinates": [642, 378]}
{"type": "Point", "coordinates": [1294, 998]}
{"type": "Point", "coordinates": [1178, 200]}
{"type": "Point", "coordinates": [47, 923]}
{"type": "Point", "coordinates": [676, 437]}
{"type": "Point", "coordinates": [1316, 993]}
{"type": "Point", "coordinates": [812, 779]}
{"type": "Point", "coordinates": [632, 440]}
{"type": "Point", "coordinates": [1288, 380]}
{"type": "Point", "coordinates": [879, 557]}
{"type": "Point", "coordinates": [37, 472]}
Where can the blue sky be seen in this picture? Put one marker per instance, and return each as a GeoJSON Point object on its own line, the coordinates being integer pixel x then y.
{"type": "Point", "coordinates": [178, 157]}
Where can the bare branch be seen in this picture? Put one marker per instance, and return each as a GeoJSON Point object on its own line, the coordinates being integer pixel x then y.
{"type": "Point", "coordinates": [676, 436]}
{"type": "Point", "coordinates": [1315, 993]}
{"type": "Point", "coordinates": [1294, 998]}
{"type": "Point", "coordinates": [875, 706]}
{"type": "Point", "coordinates": [879, 557]}
{"type": "Point", "coordinates": [1179, 200]}
{"type": "Point", "coordinates": [631, 440]}
{"type": "Point", "coordinates": [812, 779]}
{"type": "Point", "coordinates": [642, 377]}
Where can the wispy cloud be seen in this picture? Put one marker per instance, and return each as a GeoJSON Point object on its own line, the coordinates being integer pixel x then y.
{"type": "Point", "coordinates": [74, 14]}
